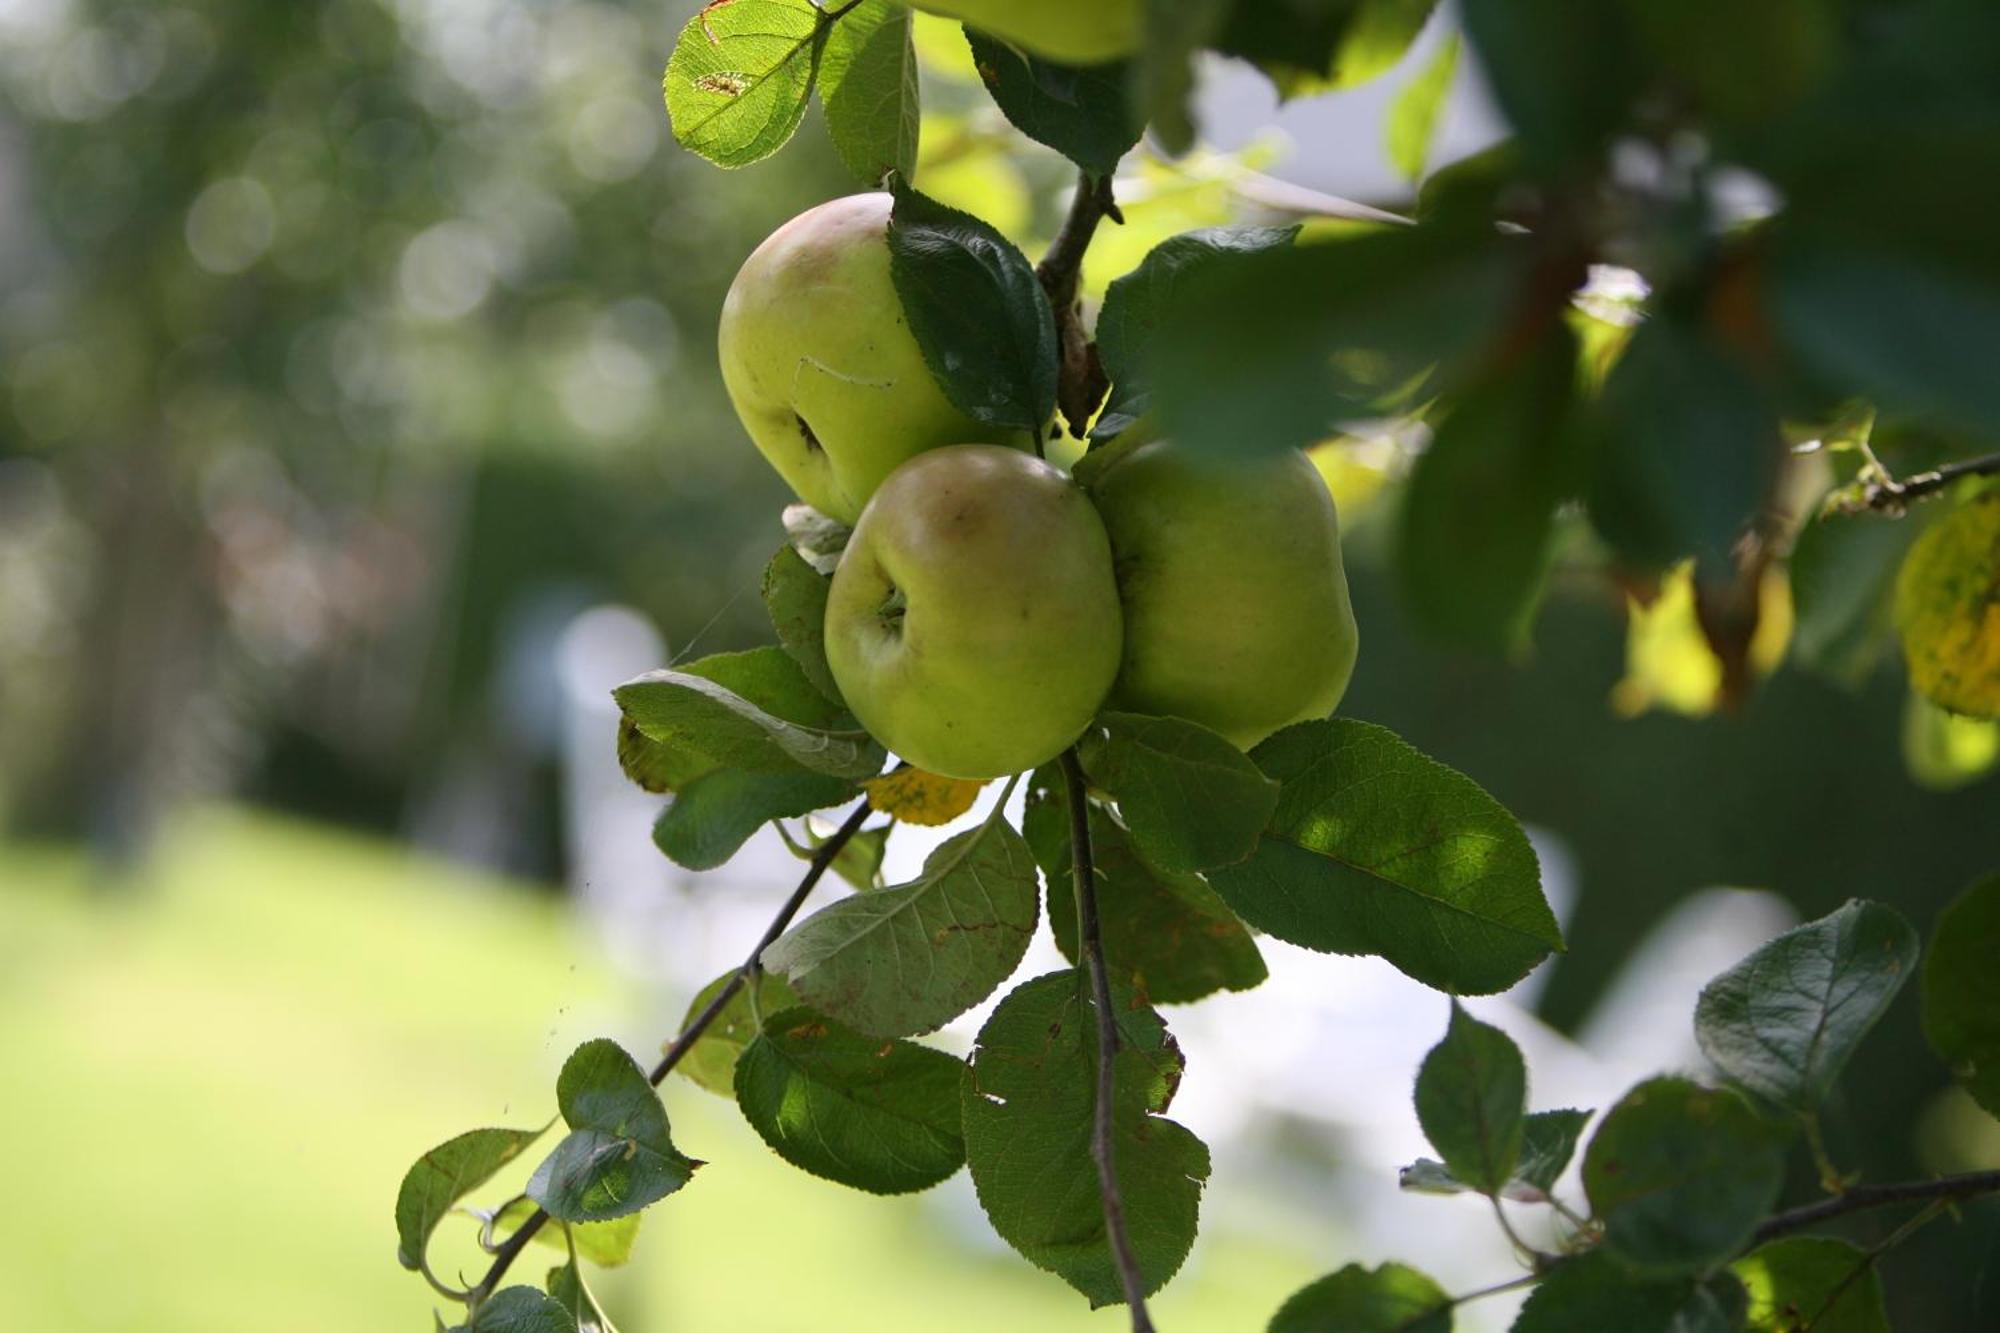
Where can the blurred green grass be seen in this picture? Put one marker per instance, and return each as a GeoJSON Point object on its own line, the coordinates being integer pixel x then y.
{"type": "Point", "coordinates": [216, 1073]}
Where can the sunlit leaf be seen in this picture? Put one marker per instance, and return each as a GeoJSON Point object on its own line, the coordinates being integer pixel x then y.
{"type": "Point", "coordinates": [1815, 1283]}
{"type": "Point", "coordinates": [1413, 116]}
{"type": "Point", "coordinates": [1948, 609]}
{"type": "Point", "coordinates": [916, 797]}
{"type": "Point", "coordinates": [711, 1062]}
{"type": "Point", "coordinates": [737, 82]}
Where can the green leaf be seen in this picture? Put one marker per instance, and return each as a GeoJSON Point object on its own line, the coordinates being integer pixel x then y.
{"type": "Point", "coordinates": [1413, 115]}
{"type": "Point", "coordinates": [1784, 1021]}
{"type": "Point", "coordinates": [711, 1062]}
{"type": "Point", "coordinates": [1685, 448]}
{"type": "Point", "coordinates": [879, 1116]}
{"type": "Point", "coordinates": [1315, 46]}
{"type": "Point", "coordinates": [1735, 64]}
{"type": "Point", "coordinates": [795, 596]}
{"type": "Point", "coordinates": [606, 1244]}
{"type": "Point", "coordinates": [1561, 72]}
{"type": "Point", "coordinates": [1344, 330]}
{"type": "Point", "coordinates": [1135, 304]}
{"type": "Point", "coordinates": [521, 1310]}
{"type": "Point", "coordinates": [1474, 543]}
{"type": "Point", "coordinates": [1472, 1092]}
{"type": "Point", "coordinates": [1946, 590]}
{"type": "Point", "coordinates": [1590, 1293]}
{"type": "Point", "coordinates": [443, 1176]}
{"type": "Point", "coordinates": [1394, 1298]}
{"type": "Point", "coordinates": [1961, 991]}
{"type": "Point", "coordinates": [1175, 30]}
{"type": "Point", "coordinates": [1548, 1141]}
{"type": "Point", "coordinates": [568, 1290]}
{"type": "Point", "coordinates": [1029, 1096]}
{"type": "Point", "coordinates": [1812, 1282]}
{"type": "Point", "coordinates": [731, 721]}
{"type": "Point", "coordinates": [1377, 849]}
{"type": "Point", "coordinates": [713, 816]}
{"type": "Point", "coordinates": [868, 89]}
{"type": "Point", "coordinates": [619, 1156]}
{"type": "Point", "coordinates": [909, 959]}
{"type": "Point", "coordinates": [737, 82]}
{"type": "Point", "coordinates": [1085, 112]}
{"type": "Point", "coordinates": [859, 862]}
{"type": "Point", "coordinates": [1681, 1175]}
{"type": "Point", "coordinates": [1169, 937]}
{"type": "Point", "coordinates": [978, 312]}
{"type": "Point", "coordinates": [1843, 573]}
{"type": "Point", "coordinates": [1192, 800]}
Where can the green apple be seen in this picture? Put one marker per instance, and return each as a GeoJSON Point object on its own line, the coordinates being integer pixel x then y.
{"type": "Point", "coordinates": [821, 365]}
{"type": "Point", "coordinates": [1236, 610]}
{"type": "Point", "coordinates": [973, 622]}
{"type": "Point", "coordinates": [1071, 32]}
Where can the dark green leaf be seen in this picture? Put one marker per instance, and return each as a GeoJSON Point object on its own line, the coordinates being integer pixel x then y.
{"type": "Point", "coordinates": [795, 596]}
{"type": "Point", "coordinates": [1343, 330]}
{"type": "Point", "coordinates": [1681, 1175]}
{"type": "Point", "coordinates": [1548, 1141]}
{"type": "Point", "coordinates": [1783, 1022]}
{"type": "Point", "coordinates": [753, 710]}
{"type": "Point", "coordinates": [713, 816]}
{"type": "Point", "coordinates": [1814, 1283]}
{"type": "Point", "coordinates": [1475, 535]}
{"type": "Point", "coordinates": [443, 1176]}
{"type": "Point", "coordinates": [1377, 849]}
{"type": "Point", "coordinates": [1962, 991]}
{"type": "Point", "coordinates": [711, 1062]}
{"type": "Point", "coordinates": [1684, 448]}
{"type": "Point", "coordinates": [1590, 1293]}
{"type": "Point", "coordinates": [1085, 112]}
{"type": "Point", "coordinates": [521, 1310]}
{"type": "Point", "coordinates": [568, 1290]}
{"type": "Point", "coordinates": [619, 1156]}
{"type": "Point", "coordinates": [1843, 571]}
{"type": "Point", "coordinates": [868, 89]}
{"type": "Point", "coordinates": [1192, 800]}
{"type": "Point", "coordinates": [1029, 1095]}
{"type": "Point", "coordinates": [1391, 1299]}
{"type": "Point", "coordinates": [1737, 63]}
{"type": "Point", "coordinates": [1561, 72]}
{"type": "Point", "coordinates": [1472, 1093]}
{"type": "Point", "coordinates": [880, 1116]}
{"type": "Point", "coordinates": [1174, 31]}
{"type": "Point", "coordinates": [909, 959]}
{"type": "Point", "coordinates": [606, 1244]}
{"type": "Point", "coordinates": [737, 83]}
{"type": "Point", "coordinates": [1313, 46]}
{"type": "Point", "coordinates": [1167, 936]}
{"type": "Point", "coordinates": [1135, 304]}
{"type": "Point", "coordinates": [1413, 116]}
{"type": "Point", "coordinates": [978, 312]}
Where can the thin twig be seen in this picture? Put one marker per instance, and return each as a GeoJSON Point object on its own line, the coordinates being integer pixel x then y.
{"type": "Point", "coordinates": [1080, 383]}
{"type": "Point", "coordinates": [1890, 496]}
{"type": "Point", "coordinates": [822, 858]}
{"type": "Point", "coordinates": [1860, 1198]}
{"type": "Point", "coordinates": [1090, 949]}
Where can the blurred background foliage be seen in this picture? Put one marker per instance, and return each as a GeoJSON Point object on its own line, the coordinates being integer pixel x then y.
{"type": "Point", "coordinates": [350, 348]}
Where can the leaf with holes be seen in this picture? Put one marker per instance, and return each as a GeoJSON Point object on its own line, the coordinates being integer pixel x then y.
{"type": "Point", "coordinates": [908, 959]}
{"type": "Point", "coordinates": [1784, 1021]}
{"type": "Point", "coordinates": [1471, 1098]}
{"type": "Point", "coordinates": [1681, 1175]}
{"type": "Point", "coordinates": [1028, 1101]}
{"type": "Point", "coordinates": [879, 1116]}
{"type": "Point", "coordinates": [868, 89]}
{"type": "Point", "coordinates": [1378, 849]}
{"type": "Point", "coordinates": [737, 82]}
{"type": "Point", "coordinates": [1167, 936]}
{"type": "Point", "coordinates": [978, 312]}
{"type": "Point", "coordinates": [619, 1156]}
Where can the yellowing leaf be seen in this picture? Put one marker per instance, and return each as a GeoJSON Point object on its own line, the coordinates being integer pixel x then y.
{"type": "Point", "coordinates": [1948, 609]}
{"type": "Point", "coordinates": [917, 797]}
{"type": "Point", "coordinates": [1944, 751]}
{"type": "Point", "coordinates": [1668, 663]}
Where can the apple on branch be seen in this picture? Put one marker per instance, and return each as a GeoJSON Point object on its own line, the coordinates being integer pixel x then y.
{"type": "Point", "coordinates": [822, 366]}
{"type": "Point", "coordinates": [1070, 32]}
{"type": "Point", "coordinates": [973, 623]}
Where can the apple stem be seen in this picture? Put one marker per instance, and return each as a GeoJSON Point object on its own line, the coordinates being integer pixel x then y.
{"type": "Point", "coordinates": [1090, 950]}
{"type": "Point", "coordinates": [822, 858]}
{"type": "Point", "coordinates": [1080, 383]}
